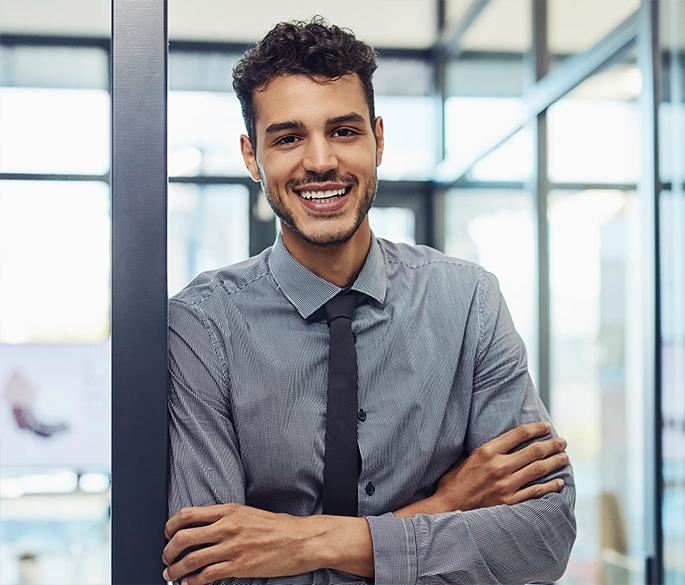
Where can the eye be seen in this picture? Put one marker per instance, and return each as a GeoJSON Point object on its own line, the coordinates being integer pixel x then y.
{"type": "Point", "coordinates": [344, 132]}
{"type": "Point", "coordinates": [289, 139]}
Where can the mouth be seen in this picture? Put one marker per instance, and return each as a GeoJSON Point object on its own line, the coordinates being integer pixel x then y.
{"type": "Point", "coordinates": [323, 195]}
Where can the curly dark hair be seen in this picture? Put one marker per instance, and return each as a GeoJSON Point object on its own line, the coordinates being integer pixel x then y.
{"type": "Point", "coordinates": [312, 48]}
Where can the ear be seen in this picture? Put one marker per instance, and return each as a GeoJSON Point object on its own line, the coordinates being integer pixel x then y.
{"type": "Point", "coordinates": [249, 157]}
{"type": "Point", "coordinates": [380, 141]}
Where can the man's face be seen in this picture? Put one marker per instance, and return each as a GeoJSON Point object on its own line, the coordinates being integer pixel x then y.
{"type": "Point", "coordinates": [316, 155]}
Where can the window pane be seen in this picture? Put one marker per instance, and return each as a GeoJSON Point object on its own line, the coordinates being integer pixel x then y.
{"type": "Point", "coordinates": [496, 229]}
{"type": "Point", "coordinates": [54, 131]}
{"type": "Point", "coordinates": [208, 229]}
{"type": "Point", "coordinates": [54, 261]}
{"type": "Point", "coordinates": [484, 84]}
{"type": "Point", "coordinates": [596, 385]}
{"type": "Point", "coordinates": [594, 132]}
{"type": "Point", "coordinates": [54, 382]}
{"type": "Point", "coordinates": [204, 134]}
{"type": "Point", "coordinates": [474, 124]}
{"type": "Point", "coordinates": [54, 67]}
{"type": "Point", "coordinates": [396, 224]}
{"type": "Point", "coordinates": [410, 130]}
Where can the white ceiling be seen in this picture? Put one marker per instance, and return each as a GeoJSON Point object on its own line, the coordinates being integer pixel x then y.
{"type": "Point", "coordinates": [504, 25]}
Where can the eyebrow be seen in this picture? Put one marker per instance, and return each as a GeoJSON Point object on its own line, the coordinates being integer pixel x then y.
{"type": "Point", "coordinates": [296, 125]}
{"type": "Point", "coordinates": [280, 126]}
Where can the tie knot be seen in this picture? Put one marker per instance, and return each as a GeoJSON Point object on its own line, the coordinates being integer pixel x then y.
{"type": "Point", "coordinates": [341, 306]}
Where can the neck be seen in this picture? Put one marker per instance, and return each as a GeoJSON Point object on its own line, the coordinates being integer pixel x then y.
{"type": "Point", "coordinates": [339, 265]}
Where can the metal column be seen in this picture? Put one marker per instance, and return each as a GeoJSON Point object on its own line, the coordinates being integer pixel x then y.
{"type": "Point", "coordinates": [650, 62]}
{"type": "Point", "coordinates": [539, 188]}
{"type": "Point", "coordinates": [139, 294]}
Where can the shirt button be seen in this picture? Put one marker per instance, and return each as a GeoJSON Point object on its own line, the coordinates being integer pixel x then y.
{"type": "Point", "coordinates": [361, 415]}
{"type": "Point", "coordinates": [370, 489]}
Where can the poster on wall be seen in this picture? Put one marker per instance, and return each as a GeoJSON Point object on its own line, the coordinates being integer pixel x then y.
{"type": "Point", "coordinates": [55, 405]}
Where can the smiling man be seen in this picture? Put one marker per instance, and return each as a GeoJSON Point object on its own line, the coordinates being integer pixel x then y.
{"type": "Point", "coordinates": [459, 476]}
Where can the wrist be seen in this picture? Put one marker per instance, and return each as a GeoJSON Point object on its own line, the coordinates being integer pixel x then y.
{"type": "Point", "coordinates": [344, 543]}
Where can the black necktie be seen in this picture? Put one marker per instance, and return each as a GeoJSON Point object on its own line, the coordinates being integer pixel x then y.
{"type": "Point", "coordinates": [341, 469]}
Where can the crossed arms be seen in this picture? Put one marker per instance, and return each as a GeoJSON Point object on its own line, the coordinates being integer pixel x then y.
{"type": "Point", "coordinates": [241, 541]}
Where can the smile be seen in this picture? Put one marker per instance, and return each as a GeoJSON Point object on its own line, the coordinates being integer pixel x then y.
{"type": "Point", "coordinates": [319, 195]}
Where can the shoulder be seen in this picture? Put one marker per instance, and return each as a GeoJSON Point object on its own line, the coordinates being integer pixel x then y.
{"type": "Point", "coordinates": [431, 263]}
{"type": "Point", "coordinates": [224, 281]}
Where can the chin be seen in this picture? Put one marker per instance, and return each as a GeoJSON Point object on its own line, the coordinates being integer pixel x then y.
{"type": "Point", "coordinates": [325, 240]}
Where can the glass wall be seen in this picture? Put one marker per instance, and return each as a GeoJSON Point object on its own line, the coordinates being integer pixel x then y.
{"type": "Point", "coordinates": [672, 203]}
{"type": "Point", "coordinates": [590, 159]}
{"type": "Point", "coordinates": [54, 312]}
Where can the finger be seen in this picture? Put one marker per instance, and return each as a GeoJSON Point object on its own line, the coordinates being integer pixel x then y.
{"type": "Point", "coordinates": [193, 562]}
{"type": "Point", "coordinates": [194, 516]}
{"type": "Point", "coordinates": [538, 469]}
{"type": "Point", "coordinates": [522, 433]}
{"type": "Point", "coordinates": [537, 491]}
{"type": "Point", "coordinates": [536, 451]}
{"type": "Point", "coordinates": [211, 573]}
{"type": "Point", "coordinates": [183, 540]}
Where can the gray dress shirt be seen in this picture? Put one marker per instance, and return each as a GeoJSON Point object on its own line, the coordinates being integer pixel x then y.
{"type": "Point", "coordinates": [441, 371]}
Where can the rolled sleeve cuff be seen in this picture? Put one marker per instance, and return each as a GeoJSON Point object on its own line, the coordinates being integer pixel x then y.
{"type": "Point", "coordinates": [394, 549]}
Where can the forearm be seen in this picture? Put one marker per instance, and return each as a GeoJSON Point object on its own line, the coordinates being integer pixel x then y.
{"type": "Point", "coordinates": [502, 544]}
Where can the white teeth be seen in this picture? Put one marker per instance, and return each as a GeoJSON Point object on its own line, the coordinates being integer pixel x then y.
{"type": "Point", "coordinates": [322, 194]}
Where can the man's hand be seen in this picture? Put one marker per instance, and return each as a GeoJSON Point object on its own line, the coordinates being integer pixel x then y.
{"type": "Point", "coordinates": [231, 540]}
{"type": "Point", "coordinates": [492, 475]}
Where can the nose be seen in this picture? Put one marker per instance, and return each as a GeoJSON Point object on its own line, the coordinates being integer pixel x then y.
{"type": "Point", "coordinates": [319, 155]}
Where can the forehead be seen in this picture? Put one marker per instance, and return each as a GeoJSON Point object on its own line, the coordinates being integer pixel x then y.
{"type": "Point", "coordinates": [308, 100]}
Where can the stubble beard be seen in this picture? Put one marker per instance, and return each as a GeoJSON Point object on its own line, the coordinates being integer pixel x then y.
{"type": "Point", "coordinates": [325, 240]}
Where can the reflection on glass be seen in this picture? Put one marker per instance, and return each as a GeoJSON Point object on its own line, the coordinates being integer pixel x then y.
{"type": "Point", "coordinates": [496, 229]}
{"type": "Point", "coordinates": [596, 386]}
{"type": "Point", "coordinates": [208, 229]}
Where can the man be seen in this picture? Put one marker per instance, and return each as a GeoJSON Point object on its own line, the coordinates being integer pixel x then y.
{"type": "Point", "coordinates": [442, 373]}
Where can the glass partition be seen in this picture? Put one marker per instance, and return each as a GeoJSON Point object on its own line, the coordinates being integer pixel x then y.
{"type": "Point", "coordinates": [496, 229]}
{"type": "Point", "coordinates": [54, 300]}
{"type": "Point", "coordinates": [596, 387]}
{"type": "Point", "coordinates": [672, 203]}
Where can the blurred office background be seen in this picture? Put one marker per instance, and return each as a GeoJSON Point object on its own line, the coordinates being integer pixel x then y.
{"type": "Point", "coordinates": [520, 134]}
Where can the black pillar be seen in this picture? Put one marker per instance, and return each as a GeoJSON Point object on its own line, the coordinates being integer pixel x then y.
{"type": "Point", "coordinates": [139, 294]}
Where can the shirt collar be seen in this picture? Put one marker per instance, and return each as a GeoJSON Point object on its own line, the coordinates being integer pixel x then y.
{"type": "Point", "coordinates": [309, 292]}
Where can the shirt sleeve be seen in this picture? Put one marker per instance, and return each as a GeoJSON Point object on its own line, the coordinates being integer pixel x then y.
{"type": "Point", "coordinates": [523, 543]}
{"type": "Point", "coordinates": [205, 467]}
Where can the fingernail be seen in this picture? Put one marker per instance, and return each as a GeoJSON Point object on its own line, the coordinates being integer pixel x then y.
{"type": "Point", "coordinates": [548, 427]}
{"type": "Point", "coordinates": [560, 483]}
{"type": "Point", "coordinates": [165, 575]}
{"type": "Point", "coordinates": [184, 582]}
